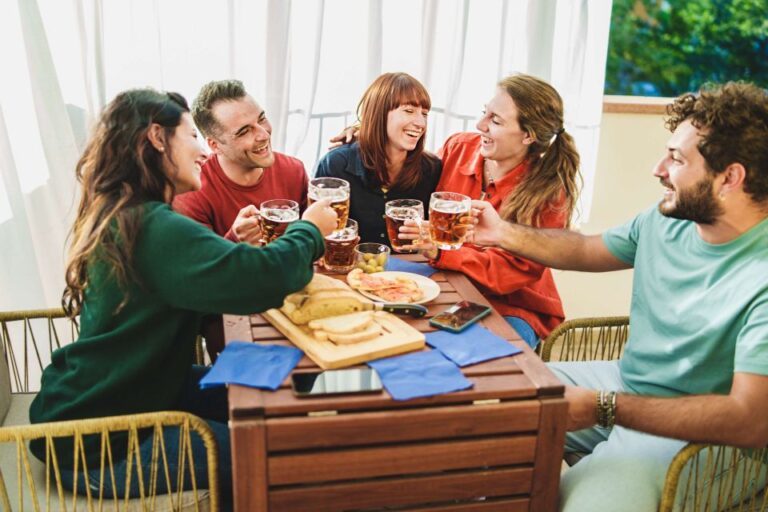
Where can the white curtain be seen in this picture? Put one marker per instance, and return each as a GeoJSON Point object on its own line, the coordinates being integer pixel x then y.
{"type": "Point", "coordinates": [307, 61]}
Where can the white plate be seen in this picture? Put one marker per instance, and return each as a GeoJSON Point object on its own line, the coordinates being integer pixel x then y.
{"type": "Point", "coordinates": [430, 288]}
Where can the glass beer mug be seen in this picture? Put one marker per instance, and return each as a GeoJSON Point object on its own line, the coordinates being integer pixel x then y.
{"type": "Point", "coordinates": [449, 219]}
{"type": "Point", "coordinates": [275, 216]}
{"type": "Point", "coordinates": [337, 190]}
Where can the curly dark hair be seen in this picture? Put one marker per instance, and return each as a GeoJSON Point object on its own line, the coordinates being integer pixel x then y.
{"type": "Point", "coordinates": [733, 121]}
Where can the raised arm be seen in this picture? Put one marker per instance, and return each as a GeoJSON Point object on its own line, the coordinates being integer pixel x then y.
{"type": "Point", "coordinates": [557, 248]}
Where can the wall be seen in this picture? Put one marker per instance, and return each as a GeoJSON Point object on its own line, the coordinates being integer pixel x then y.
{"type": "Point", "coordinates": [630, 145]}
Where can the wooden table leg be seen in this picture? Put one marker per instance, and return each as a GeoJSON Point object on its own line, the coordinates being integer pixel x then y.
{"type": "Point", "coordinates": [549, 454]}
{"type": "Point", "coordinates": [249, 465]}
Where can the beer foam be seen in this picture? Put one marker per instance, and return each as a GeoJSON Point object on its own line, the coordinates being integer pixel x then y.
{"type": "Point", "coordinates": [342, 235]}
{"type": "Point", "coordinates": [334, 194]}
{"type": "Point", "coordinates": [281, 215]}
{"type": "Point", "coordinates": [450, 207]}
{"type": "Point", "coordinates": [404, 213]}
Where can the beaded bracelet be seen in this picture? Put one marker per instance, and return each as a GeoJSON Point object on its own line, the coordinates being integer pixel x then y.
{"type": "Point", "coordinates": [606, 408]}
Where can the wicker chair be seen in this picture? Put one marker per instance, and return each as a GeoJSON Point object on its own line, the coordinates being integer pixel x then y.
{"type": "Point", "coordinates": [688, 484]}
{"type": "Point", "coordinates": [28, 338]}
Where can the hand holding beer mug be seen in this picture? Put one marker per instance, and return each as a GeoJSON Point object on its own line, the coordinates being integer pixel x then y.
{"type": "Point", "coordinates": [340, 248]}
{"type": "Point", "coordinates": [335, 189]}
{"type": "Point", "coordinates": [397, 212]}
{"type": "Point", "coordinates": [247, 226]}
{"type": "Point", "coordinates": [450, 219]}
{"type": "Point", "coordinates": [275, 217]}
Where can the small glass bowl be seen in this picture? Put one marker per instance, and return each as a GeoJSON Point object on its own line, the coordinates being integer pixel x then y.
{"type": "Point", "coordinates": [371, 257]}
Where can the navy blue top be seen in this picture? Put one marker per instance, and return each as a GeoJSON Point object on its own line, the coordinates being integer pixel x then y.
{"type": "Point", "coordinates": [366, 196]}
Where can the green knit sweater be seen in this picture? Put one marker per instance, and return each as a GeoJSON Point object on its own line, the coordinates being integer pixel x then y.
{"type": "Point", "coordinates": [137, 360]}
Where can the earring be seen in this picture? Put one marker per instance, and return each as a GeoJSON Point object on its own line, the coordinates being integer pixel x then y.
{"type": "Point", "coordinates": [161, 149]}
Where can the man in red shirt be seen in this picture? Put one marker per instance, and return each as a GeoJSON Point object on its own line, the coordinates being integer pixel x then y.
{"type": "Point", "coordinates": [242, 171]}
{"type": "Point", "coordinates": [240, 174]}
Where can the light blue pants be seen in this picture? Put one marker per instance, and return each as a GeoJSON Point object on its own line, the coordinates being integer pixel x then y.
{"type": "Point", "coordinates": [624, 470]}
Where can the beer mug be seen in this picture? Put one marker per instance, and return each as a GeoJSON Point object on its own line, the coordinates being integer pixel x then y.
{"type": "Point", "coordinates": [275, 216]}
{"type": "Point", "coordinates": [396, 212]}
{"type": "Point", "coordinates": [337, 190]}
{"type": "Point", "coordinates": [449, 219]}
{"type": "Point", "coordinates": [340, 248]}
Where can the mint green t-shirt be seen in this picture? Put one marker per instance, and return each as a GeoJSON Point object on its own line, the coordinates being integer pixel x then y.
{"type": "Point", "coordinates": [699, 311]}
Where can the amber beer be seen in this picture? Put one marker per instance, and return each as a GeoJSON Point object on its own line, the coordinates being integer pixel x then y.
{"type": "Point", "coordinates": [275, 216]}
{"type": "Point", "coordinates": [396, 213]}
{"type": "Point", "coordinates": [449, 219]}
{"type": "Point", "coordinates": [340, 248]}
{"type": "Point", "coordinates": [335, 189]}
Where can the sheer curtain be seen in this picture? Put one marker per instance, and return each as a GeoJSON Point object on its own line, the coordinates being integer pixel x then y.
{"type": "Point", "coordinates": [306, 61]}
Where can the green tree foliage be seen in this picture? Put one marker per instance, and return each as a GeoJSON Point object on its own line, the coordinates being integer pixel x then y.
{"type": "Point", "coordinates": [666, 48]}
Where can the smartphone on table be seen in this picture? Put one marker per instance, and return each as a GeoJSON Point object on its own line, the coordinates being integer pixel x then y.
{"type": "Point", "coordinates": [335, 382]}
{"type": "Point", "coordinates": [459, 316]}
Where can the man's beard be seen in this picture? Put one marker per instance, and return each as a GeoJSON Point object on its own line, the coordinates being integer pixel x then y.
{"type": "Point", "coordinates": [696, 203]}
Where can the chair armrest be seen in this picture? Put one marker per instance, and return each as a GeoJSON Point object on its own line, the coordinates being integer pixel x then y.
{"type": "Point", "coordinates": [104, 426]}
{"type": "Point", "coordinates": [707, 474]}
{"type": "Point", "coordinates": [587, 339]}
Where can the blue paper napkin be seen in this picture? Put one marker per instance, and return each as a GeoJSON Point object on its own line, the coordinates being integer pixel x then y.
{"type": "Point", "coordinates": [472, 345]}
{"type": "Point", "coordinates": [252, 364]}
{"type": "Point", "coordinates": [419, 374]}
{"type": "Point", "coordinates": [423, 269]}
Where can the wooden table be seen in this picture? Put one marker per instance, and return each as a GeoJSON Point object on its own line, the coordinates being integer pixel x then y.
{"type": "Point", "coordinates": [496, 447]}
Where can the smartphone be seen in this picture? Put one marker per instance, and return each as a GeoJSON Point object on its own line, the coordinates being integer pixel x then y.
{"type": "Point", "coordinates": [460, 316]}
{"type": "Point", "coordinates": [336, 382]}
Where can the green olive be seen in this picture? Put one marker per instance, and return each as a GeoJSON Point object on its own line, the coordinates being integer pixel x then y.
{"type": "Point", "coordinates": [370, 269]}
{"type": "Point", "coordinates": [381, 259]}
{"type": "Point", "coordinates": [379, 269]}
{"type": "Point", "coordinates": [367, 256]}
{"type": "Point", "coordinates": [361, 265]}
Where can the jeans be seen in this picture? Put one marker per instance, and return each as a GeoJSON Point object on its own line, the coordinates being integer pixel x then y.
{"type": "Point", "coordinates": [524, 329]}
{"type": "Point", "coordinates": [209, 404]}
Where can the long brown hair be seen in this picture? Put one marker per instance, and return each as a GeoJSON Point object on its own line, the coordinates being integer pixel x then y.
{"type": "Point", "coordinates": [553, 173]}
{"type": "Point", "coordinates": [385, 94]}
{"type": "Point", "coordinates": [119, 169]}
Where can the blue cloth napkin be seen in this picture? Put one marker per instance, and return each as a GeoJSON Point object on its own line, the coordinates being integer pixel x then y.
{"type": "Point", "coordinates": [423, 269]}
{"type": "Point", "coordinates": [472, 345]}
{"type": "Point", "coordinates": [252, 364]}
{"type": "Point", "coordinates": [419, 374]}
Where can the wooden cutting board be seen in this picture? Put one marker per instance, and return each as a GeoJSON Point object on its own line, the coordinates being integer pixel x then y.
{"type": "Point", "coordinates": [397, 337]}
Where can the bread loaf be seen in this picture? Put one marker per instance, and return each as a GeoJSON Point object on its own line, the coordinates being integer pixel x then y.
{"type": "Point", "coordinates": [324, 296]}
{"type": "Point", "coordinates": [371, 332]}
{"type": "Point", "coordinates": [343, 324]}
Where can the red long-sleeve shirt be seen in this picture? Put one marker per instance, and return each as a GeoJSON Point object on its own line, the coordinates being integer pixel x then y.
{"type": "Point", "coordinates": [220, 199]}
{"type": "Point", "coordinates": [514, 286]}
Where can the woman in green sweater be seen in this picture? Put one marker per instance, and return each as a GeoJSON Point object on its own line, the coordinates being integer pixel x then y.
{"type": "Point", "coordinates": [141, 276]}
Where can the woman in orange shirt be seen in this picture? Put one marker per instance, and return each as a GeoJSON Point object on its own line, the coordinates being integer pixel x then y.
{"type": "Point", "coordinates": [526, 165]}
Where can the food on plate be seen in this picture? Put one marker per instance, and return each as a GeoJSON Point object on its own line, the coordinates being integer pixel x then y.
{"type": "Point", "coordinates": [406, 293]}
{"type": "Point", "coordinates": [323, 297]}
{"type": "Point", "coordinates": [399, 289]}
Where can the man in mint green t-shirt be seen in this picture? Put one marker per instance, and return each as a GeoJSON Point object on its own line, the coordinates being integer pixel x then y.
{"type": "Point", "coordinates": [696, 363]}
